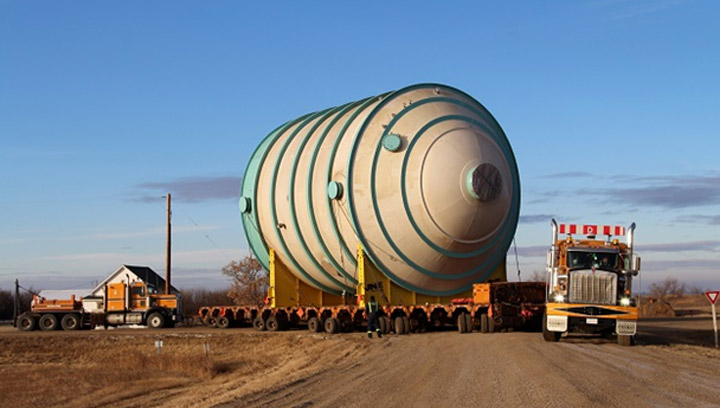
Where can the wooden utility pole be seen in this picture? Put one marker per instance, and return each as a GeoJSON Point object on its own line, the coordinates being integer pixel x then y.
{"type": "Point", "coordinates": [167, 249]}
{"type": "Point", "coordinates": [16, 303]}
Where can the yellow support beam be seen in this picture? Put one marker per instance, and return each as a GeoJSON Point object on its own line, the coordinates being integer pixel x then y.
{"type": "Point", "coordinates": [372, 282]}
{"type": "Point", "coordinates": [286, 290]}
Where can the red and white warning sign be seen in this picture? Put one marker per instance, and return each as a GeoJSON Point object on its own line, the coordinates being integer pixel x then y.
{"type": "Point", "coordinates": [591, 229]}
{"type": "Point", "coordinates": [712, 295]}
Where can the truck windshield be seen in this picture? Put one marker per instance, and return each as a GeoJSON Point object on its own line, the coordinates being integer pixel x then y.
{"type": "Point", "coordinates": [588, 259]}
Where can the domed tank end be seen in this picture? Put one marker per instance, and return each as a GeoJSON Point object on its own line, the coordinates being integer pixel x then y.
{"type": "Point", "coordinates": [484, 182]}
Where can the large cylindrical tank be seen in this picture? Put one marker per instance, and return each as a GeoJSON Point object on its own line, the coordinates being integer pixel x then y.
{"type": "Point", "coordinates": [423, 177]}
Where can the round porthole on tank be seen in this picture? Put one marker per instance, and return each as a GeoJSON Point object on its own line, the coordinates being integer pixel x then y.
{"type": "Point", "coordinates": [335, 190]}
{"type": "Point", "coordinates": [392, 142]}
{"type": "Point", "coordinates": [245, 205]}
{"type": "Point", "coordinates": [484, 182]}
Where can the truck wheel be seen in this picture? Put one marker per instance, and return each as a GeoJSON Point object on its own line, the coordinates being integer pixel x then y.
{"type": "Point", "coordinates": [468, 323]}
{"type": "Point", "coordinates": [314, 325]}
{"type": "Point", "coordinates": [223, 322]}
{"type": "Point", "coordinates": [272, 324]}
{"type": "Point", "coordinates": [70, 322]}
{"type": "Point", "coordinates": [625, 340]}
{"type": "Point", "coordinates": [383, 323]}
{"type": "Point", "coordinates": [550, 335]}
{"type": "Point", "coordinates": [491, 324]}
{"type": "Point", "coordinates": [259, 323]}
{"type": "Point", "coordinates": [155, 320]}
{"type": "Point", "coordinates": [26, 323]}
{"type": "Point", "coordinates": [331, 325]}
{"type": "Point", "coordinates": [48, 322]}
{"type": "Point", "coordinates": [462, 323]}
{"type": "Point", "coordinates": [484, 323]}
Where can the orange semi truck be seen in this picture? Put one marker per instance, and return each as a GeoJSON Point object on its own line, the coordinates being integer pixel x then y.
{"type": "Point", "coordinates": [119, 304]}
{"type": "Point", "coordinates": [590, 283]}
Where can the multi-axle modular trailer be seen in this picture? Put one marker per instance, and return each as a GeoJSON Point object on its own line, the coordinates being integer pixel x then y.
{"type": "Point", "coordinates": [497, 306]}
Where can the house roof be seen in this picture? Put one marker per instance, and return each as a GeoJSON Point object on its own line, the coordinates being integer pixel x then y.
{"type": "Point", "coordinates": [147, 275]}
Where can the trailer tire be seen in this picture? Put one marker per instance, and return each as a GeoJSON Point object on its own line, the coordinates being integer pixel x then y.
{"type": "Point", "coordinates": [314, 325]}
{"type": "Point", "coordinates": [547, 334]}
{"type": "Point", "coordinates": [484, 323]}
{"type": "Point", "coordinates": [383, 322]}
{"type": "Point", "coordinates": [626, 340]}
{"type": "Point", "coordinates": [399, 325]}
{"type": "Point", "coordinates": [259, 323]}
{"type": "Point", "coordinates": [468, 323]}
{"type": "Point", "coordinates": [462, 323]}
{"type": "Point", "coordinates": [48, 322]}
{"type": "Point", "coordinates": [26, 322]}
{"type": "Point", "coordinates": [406, 325]}
{"type": "Point", "coordinates": [223, 322]}
{"type": "Point", "coordinates": [70, 322]}
{"type": "Point", "coordinates": [272, 324]}
{"type": "Point", "coordinates": [332, 325]}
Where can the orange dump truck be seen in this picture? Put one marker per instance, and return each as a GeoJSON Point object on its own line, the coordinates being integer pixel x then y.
{"type": "Point", "coordinates": [119, 304]}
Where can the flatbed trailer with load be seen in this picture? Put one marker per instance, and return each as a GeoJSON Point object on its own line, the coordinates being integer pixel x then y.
{"type": "Point", "coordinates": [495, 306]}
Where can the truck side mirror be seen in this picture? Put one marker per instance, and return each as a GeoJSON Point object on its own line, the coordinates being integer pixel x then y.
{"type": "Point", "coordinates": [637, 264]}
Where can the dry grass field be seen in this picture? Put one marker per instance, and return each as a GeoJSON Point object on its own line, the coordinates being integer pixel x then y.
{"type": "Point", "coordinates": [123, 368]}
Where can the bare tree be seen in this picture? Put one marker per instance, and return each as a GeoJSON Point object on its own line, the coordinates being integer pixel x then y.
{"type": "Point", "coordinates": [668, 287]}
{"type": "Point", "coordinates": [249, 281]}
{"type": "Point", "coordinates": [194, 298]}
{"type": "Point", "coordinates": [537, 276]}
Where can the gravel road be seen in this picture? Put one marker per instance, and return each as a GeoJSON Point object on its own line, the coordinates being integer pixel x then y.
{"type": "Point", "coordinates": [511, 370]}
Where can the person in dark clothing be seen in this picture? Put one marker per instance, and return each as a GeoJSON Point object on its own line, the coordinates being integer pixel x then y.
{"type": "Point", "coordinates": [372, 308]}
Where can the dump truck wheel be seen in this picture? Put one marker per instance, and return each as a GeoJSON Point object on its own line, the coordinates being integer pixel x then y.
{"type": "Point", "coordinates": [625, 340]}
{"type": "Point", "coordinates": [331, 325]}
{"type": "Point", "coordinates": [484, 323]}
{"type": "Point", "coordinates": [314, 325]}
{"type": "Point", "coordinates": [259, 323]}
{"type": "Point", "coordinates": [223, 322]}
{"type": "Point", "coordinates": [48, 322]}
{"type": "Point", "coordinates": [406, 325]}
{"type": "Point", "coordinates": [468, 323]}
{"type": "Point", "coordinates": [70, 322]}
{"type": "Point", "coordinates": [462, 324]}
{"type": "Point", "coordinates": [383, 323]}
{"type": "Point", "coordinates": [547, 334]}
{"type": "Point", "coordinates": [26, 323]}
{"type": "Point", "coordinates": [155, 320]}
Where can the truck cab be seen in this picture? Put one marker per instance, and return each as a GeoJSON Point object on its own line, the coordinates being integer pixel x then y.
{"type": "Point", "coordinates": [590, 283]}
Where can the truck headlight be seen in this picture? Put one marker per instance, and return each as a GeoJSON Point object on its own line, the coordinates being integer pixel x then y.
{"type": "Point", "coordinates": [624, 301]}
{"type": "Point", "coordinates": [558, 298]}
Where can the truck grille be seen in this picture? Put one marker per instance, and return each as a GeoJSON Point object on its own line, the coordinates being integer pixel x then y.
{"type": "Point", "coordinates": [597, 287]}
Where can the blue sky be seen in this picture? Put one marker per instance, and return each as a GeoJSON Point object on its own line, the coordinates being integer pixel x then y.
{"type": "Point", "coordinates": [612, 108]}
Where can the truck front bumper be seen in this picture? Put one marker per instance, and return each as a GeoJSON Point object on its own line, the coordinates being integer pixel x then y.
{"type": "Point", "coordinates": [561, 316]}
